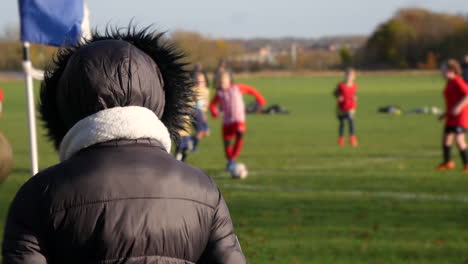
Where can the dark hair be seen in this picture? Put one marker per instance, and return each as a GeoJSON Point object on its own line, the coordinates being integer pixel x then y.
{"type": "Point", "coordinates": [177, 87]}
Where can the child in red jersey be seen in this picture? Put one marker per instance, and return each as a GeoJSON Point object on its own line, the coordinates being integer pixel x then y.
{"type": "Point", "coordinates": [345, 94]}
{"type": "Point", "coordinates": [456, 115]}
{"type": "Point", "coordinates": [229, 97]}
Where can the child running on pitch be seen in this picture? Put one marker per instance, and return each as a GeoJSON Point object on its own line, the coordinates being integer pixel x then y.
{"type": "Point", "coordinates": [229, 97]}
{"type": "Point", "coordinates": [345, 94]}
{"type": "Point", "coordinates": [456, 115]}
{"type": "Point", "coordinates": [200, 123]}
{"type": "Point", "coordinates": [185, 143]}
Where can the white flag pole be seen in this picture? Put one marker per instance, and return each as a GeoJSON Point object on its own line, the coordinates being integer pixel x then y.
{"type": "Point", "coordinates": [27, 66]}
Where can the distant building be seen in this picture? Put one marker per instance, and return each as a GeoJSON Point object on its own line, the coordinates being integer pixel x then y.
{"type": "Point", "coordinates": [263, 55]}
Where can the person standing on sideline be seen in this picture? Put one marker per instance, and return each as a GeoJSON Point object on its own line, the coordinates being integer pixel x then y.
{"type": "Point", "coordinates": [112, 106]}
{"type": "Point", "coordinates": [465, 68]}
{"type": "Point", "coordinates": [456, 115]}
{"type": "Point", "coordinates": [345, 94]}
{"type": "Point", "coordinates": [1, 102]}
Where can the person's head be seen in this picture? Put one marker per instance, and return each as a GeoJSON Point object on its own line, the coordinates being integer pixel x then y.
{"type": "Point", "coordinates": [198, 67]}
{"type": "Point", "coordinates": [450, 69]}
{"type": "Point", "coordinates": [466, 58]}
{"type": "Point", "coordinates": [222, 65]}
{"type": "Point", "coordinates": [200, 79]}
{"type": "Point", "coordinates": [350, 75]}
{"type": "Point", "coordinates": [116, 69]}
{"type": "Point", "coordinates": [225, 80]}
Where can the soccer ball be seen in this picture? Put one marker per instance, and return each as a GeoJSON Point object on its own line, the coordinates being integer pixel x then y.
{"type": "Point", "coordinates": [240, 171]}
{"type": "Point", "coordinates": [435, 110]}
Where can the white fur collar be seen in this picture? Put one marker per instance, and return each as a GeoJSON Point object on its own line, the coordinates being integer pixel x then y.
{"type": "Point", "coordinates": [131, 122]}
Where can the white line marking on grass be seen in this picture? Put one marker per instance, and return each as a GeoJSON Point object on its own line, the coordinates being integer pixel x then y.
{"type": "Point", "coordinates": [335, 165]}
{"type": "Point", "coordinates": [329, 166]}
{"type": "Point", "coordinates": [343, 164]}
{"type": "Point", "coordinates": [353, 193]}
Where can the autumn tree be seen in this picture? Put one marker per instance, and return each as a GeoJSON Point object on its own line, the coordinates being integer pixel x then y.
{"type": "Point", "coordinates": [345, 56]}
{"type": "Point", "coordinates": [411, 38]}
{"type": "Point", "coordinates": [204, 50]}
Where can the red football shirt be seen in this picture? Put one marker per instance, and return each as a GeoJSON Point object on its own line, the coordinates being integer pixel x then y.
{"type": "Point", "coordinates": [347, 97]}
{"type": "Point", "coordinates": [1, 95]}
{"type": "Point", "coordinates": [455, 90]}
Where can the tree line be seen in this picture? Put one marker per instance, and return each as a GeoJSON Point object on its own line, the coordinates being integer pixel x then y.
{"type": "Point", "coordinates": [415, 38]}
{"type": "Point", "coordinates": [412, 39]}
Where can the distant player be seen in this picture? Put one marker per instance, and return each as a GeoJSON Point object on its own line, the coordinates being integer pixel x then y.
{"type": "Point", "coordinates": [456, 115]}
{"type": "Point", "coordinates": [229, 97]}
{"type": "Point", "coordinates": [222, 68]}
{"type": "Point", "coordinates": [465, 68]}
{"type": "Point", "coordinates": [197, 69]}
{"type": "Point", "coordinates": [201, 107]}
{"type": "Point", "coordinates": [345, 94]}
{"type": "Point", "coordinates": [1, 102]}
{"type": "Point", "coordinates": [184, 144]}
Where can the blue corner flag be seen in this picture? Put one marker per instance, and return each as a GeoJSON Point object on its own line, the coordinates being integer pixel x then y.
{"type": "Point", "coordinates": [51, 22]}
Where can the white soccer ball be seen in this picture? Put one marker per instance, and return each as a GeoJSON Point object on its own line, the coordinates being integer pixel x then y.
{"type": "Point", "coordinates": [240, 171]}
{"type": "Point", "coordinates": [435, 110]}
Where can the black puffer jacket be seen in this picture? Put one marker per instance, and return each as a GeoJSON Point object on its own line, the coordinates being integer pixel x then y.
{"type": "Point", "coordinates": [120, 202]}
{"type": "Point", "coordinates": [114, 198]}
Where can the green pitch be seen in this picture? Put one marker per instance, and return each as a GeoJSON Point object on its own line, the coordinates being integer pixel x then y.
{"type": "Point", "coordinates": [308, 201]}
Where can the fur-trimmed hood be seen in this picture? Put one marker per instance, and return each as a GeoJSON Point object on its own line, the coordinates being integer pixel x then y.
{"type": "Point", "coordinates": [131, 122]}
{"type": "Point", "coordinates": [119, 68]}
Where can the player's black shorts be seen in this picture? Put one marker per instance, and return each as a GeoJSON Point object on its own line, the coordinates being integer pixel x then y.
{"type": "Point", "coordinates": [454, 129]}
{"type": "Point", "coordinates": [347, 115]}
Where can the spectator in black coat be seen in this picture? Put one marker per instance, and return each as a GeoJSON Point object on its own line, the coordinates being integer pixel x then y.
{"type": "Point", "coordinates": [110, 106]}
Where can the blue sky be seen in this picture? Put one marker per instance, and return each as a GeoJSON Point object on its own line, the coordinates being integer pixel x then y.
{"type": "Point", "coordinates": [251, 18]}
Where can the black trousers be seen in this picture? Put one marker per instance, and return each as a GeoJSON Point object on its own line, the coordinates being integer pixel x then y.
{"type": "Point", "coordinates": [343, 118]}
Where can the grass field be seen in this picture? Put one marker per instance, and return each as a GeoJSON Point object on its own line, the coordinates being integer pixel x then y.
{"type": "Point", "coordinates": [308, 201]}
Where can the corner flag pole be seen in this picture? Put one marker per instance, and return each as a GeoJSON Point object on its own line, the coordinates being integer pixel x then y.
{"type": "Point", "coordinates": [27, 66]}
{"type": "Point", "coordinates": [48, 22]}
